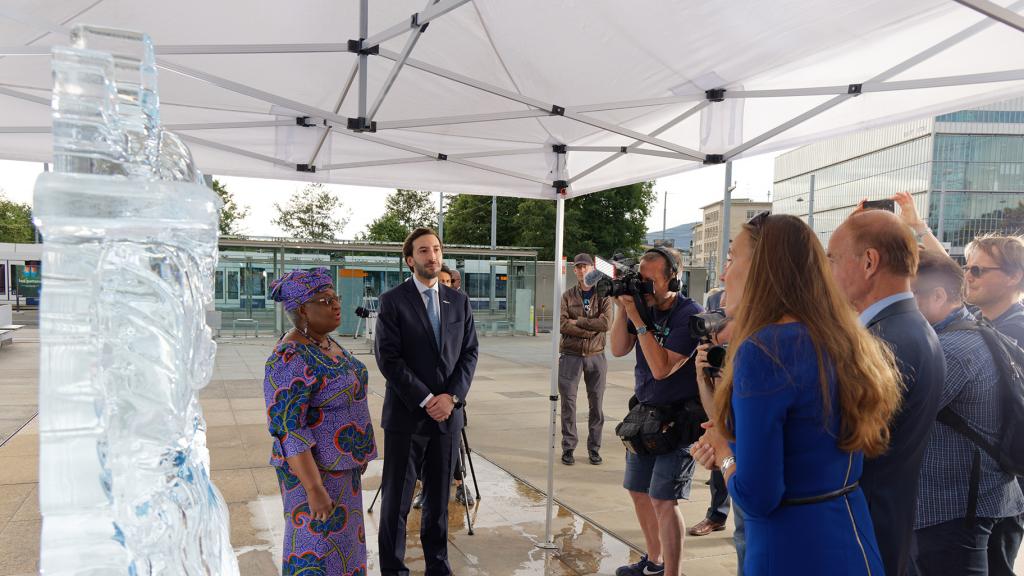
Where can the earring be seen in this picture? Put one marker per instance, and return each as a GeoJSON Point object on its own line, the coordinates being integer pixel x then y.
{"type": "Point", "coordinates": [305, 330]}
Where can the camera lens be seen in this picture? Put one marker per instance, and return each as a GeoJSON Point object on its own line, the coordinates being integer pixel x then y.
{"type": "Point", "coordinates": [716, 356]}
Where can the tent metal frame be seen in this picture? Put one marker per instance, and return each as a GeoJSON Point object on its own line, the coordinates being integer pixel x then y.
{"type": "Point", "coordinates": [364, 124]}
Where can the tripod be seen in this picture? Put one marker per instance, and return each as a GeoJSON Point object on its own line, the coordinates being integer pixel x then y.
{"type": "Point", "coordinates": [465, 454]}
{"type": "Point", "coordinates": [369, 310]}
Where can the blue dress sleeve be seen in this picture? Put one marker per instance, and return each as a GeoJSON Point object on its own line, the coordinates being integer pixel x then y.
{"type": "Point", "coordinates": [761, 397]}
{"type": "Point", "coordinates": [287, 387]}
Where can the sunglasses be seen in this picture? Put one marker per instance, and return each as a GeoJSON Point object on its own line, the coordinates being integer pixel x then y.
{"type": "Point", "coordinates": [979, 271]}
{"type": "Point", "coordinates": [327, 300]}
{"type": "Point", "coordinates": [759, 219]}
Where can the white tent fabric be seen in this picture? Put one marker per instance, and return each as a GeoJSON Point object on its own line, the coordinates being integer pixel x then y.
{"type": "Point", "coordinates": [483, 78]}
{"type": "Point", "coordinates": [526, 98]}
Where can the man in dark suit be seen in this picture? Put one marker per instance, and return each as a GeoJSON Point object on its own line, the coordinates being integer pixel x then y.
{"type": "Point", "coordinates": [874, 259]}
{"type": "Point", "coordinates": [426, 348]}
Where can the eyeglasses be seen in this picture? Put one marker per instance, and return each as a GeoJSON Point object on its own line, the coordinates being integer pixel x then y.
{"type": "Point", "coordinates": [327, 300]}
{"type": "Point", "coordinates": [759, 219]}
{"type": "Point", "coordinates": [979, 271]}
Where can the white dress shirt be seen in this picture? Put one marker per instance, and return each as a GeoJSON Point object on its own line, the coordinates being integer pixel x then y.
{"type": "Point", "coordinates": [421, 288]}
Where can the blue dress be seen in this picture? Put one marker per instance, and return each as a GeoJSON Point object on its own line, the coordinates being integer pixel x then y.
{"type": "Point", "coordinates": [785, 448]}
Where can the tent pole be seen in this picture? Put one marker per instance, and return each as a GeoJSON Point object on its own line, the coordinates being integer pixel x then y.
{"type": "Point", "coordinates": [410, 43]}
{"type": "Point", "coordinates": [337, 108]}
{"type": "Point", "coordinates": [233, 150]}
{"type": "Point", "coordinates": [364, 59]}
{"type": "Point", "coordinates": [433, 11]}
{"type": "Point", "coordinates": [556, 302]}
{"type": "Point", "coordinates": [723, 248]}
{"type": "Point", "coordinates": [995, 12]}
{"type": "Point", "coordinates": [389, 162]}
{"type": "Point", "coordinates": [810, 205]}
{"type": "Point", "coordinates": [464, 119]}
{"type": "Point", "coordinates": [494, 245]}
{"type": "Point", "coordinates": [637, 143]}
{"type": "Point", "coordinates": [891, 72]}
{"type": "Point", "coordinates": [440, 217]}
{"type": "Point", "coordinates": [529, 101]}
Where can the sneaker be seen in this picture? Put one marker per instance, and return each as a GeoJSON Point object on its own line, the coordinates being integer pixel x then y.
{"type": "Point", "coordinates": [642, 568]}
{"type": "Point", "coordinates": [417, 500]}
{"type": "Point", "coordinates": [595, 457]}
{"type": "Point", "coordinates": [567, 458]}
{"type": "Point", "coordinates": [463, 495]}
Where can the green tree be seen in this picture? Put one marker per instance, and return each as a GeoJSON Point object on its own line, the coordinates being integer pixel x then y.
{"type": "Point", "coordinates": [600, 223]}
{"type": "Point", "coordinates": [609, 221]}
{"type": "Point", "coordinates": [15, 221]}
{"type": "Point", "coordinates": [232, 213]}
{"type": "Point", "coordinates": [404, 211]}
{"type": "Point", "coordinates": [467, 220]}
{"type": "Point", "coordinates": [312, 213]}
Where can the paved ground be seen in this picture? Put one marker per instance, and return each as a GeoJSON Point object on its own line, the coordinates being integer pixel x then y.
{"type": "Point", "coordinates": [509, 415]}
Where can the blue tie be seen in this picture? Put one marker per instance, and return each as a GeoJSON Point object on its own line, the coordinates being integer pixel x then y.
{"type": "Point", "coordinates": [435, 322]}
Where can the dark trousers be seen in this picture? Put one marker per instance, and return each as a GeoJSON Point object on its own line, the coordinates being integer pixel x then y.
{"type": "Point", "coordinates": [595, 371]}
{"type": "Point", "coordinates": [963, 548]}
{"type": "Point", "coordinates": [1005, 540]}
{"type": "Point", "coordinates": [718, 511]}
{"type": "Point", "coordinates": [404, 454]}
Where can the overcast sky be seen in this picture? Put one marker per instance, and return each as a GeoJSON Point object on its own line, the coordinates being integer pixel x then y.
{"type": "Point", "coordinates": [686, 194]}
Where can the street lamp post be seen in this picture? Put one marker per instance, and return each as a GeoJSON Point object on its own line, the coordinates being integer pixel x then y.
{"type": "Point", "coordinates": [941, 227]}
{"type": "Point", "coordinates": [810, 204]}
{"type": "Point", "coordinates": [664, 215]}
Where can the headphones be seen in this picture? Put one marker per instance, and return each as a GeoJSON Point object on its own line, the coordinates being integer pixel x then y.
{"type": "Point", "coordinates": [674, 285]}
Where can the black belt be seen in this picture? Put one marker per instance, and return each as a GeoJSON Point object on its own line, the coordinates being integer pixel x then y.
{"type": "Point", "coordinates": [821, 497]}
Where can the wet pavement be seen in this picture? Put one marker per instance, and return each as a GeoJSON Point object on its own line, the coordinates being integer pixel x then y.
{"type": "Point", "coordinates": [595, 530]}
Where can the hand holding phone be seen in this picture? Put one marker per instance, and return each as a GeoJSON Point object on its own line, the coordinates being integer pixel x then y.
{"type": "Point", "coordinates": [887, 204]}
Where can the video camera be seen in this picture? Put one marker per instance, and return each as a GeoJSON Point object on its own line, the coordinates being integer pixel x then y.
{"type": "Point", "coordinates": [704, 326]}
{"type": "Point", "coordinates": [362, 312]}
{"type": "Point", "coordinates": [620, 276]}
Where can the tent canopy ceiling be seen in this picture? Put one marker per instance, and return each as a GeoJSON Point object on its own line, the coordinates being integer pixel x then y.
{"type": "Point", "coordinates": [490, 87]}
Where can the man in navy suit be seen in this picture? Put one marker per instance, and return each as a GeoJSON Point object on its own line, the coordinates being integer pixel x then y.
{"type": "Point", "coordinates": [874, 259]}
{"type": "Point", "coordinates": [426, 348]}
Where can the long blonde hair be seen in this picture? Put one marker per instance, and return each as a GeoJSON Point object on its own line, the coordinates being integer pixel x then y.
{"type": "Point", "coordinates": [789, 275]}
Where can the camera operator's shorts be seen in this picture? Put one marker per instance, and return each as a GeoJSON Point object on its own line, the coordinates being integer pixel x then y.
{"type": "Point", "coordinates": [664, 477]}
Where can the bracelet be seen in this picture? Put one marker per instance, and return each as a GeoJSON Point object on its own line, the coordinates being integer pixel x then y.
{"type": "Point", "coordinates": [727, 462]}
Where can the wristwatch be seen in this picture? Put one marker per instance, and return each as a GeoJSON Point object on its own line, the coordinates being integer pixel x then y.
{"type": "Point", "coordinates": [920, 234]}
{"type": "Point", "coordinates": [640, 330]}
{"type": "Point", "coordinates": [456, 400]}
{"type": "Point", "coordinates": [727, 462]}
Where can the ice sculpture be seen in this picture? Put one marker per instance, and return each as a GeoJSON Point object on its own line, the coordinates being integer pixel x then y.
{"type": "Point", "coordinates": [130, 250]}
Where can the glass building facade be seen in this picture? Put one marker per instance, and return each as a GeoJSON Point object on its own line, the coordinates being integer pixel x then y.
{"type": "Point", "coordinates": [363, 271]}
{"type": "Point", "coordinates": [966, 166]}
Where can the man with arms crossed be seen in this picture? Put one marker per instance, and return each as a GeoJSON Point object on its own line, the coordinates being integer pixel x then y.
{"type": "Point", "coordinates": [585, 318]}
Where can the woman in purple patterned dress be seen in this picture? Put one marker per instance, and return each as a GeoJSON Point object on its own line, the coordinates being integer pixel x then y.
{"type": "Point", "coordinates": [323, 438]}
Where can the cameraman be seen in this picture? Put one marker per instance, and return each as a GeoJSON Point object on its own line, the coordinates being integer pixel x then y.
{"type": "Point", "coordinates": [663, 378]}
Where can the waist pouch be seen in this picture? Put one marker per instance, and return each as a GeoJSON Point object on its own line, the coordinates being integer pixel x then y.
{"type": "Point", "coordinates": [650, 429]}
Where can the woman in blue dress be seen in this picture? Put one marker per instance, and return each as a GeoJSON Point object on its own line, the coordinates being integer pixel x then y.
{"type": "Point", "coordinates": [806, 394]}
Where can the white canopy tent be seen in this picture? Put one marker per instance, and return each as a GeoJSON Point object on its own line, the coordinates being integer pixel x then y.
{"type": "Point", "coordinates": [533, 98]}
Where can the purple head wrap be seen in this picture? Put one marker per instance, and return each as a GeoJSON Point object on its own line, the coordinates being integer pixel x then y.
{"type": "Point", "coordinates": [299, 286]}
